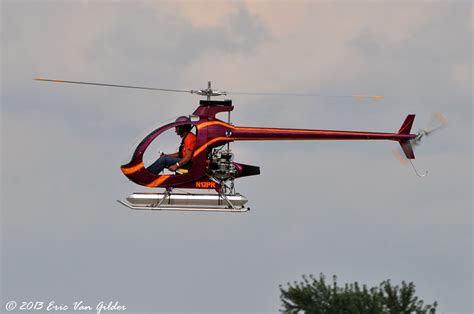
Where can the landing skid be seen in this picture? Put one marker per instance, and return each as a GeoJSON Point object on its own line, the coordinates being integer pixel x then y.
{"type": "Point", "coordinates": [186, 202]}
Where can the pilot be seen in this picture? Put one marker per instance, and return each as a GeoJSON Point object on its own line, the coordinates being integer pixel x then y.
{"type": "Point", "coordinates": [182, 158]}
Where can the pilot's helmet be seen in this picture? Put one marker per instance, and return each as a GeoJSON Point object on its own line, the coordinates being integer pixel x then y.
{"type": "Point", "coordinates": [184, 127]}
{"type": "Point", "coordinates": [183, 119]}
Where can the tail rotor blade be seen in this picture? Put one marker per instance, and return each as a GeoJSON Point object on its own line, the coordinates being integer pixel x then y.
{"type": "Point", "coordinates": [437, 122]}
{"type": "Point", "coordinates": [400, 156]}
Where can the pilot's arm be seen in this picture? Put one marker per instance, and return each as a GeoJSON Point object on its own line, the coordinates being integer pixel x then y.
{"type": "Point", "coordinates": [174, 155]}
{"type": "Point", "coordinates": [187, 157]}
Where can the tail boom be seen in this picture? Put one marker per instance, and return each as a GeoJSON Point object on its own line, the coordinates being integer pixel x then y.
{"type": "Point", "coordinates": [222, 132]}
{"type": "Point", "coordinates": [258, 133]}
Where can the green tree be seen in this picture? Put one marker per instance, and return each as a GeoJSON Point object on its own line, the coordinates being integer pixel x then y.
{"type": "Point", "coordinates": [314, 295]}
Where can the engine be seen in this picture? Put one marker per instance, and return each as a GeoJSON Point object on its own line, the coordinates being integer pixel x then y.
{"type": "Point", "coordinates": [221, 166]}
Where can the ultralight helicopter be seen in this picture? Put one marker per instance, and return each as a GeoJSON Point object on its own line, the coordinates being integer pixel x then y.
{"type": "Point", "coordinates": [213, 166]}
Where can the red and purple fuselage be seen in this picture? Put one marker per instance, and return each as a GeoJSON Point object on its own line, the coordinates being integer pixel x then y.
{"type": "Point", "coordinates": [212, 132]}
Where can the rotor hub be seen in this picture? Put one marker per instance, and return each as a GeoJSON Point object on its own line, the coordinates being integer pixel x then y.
{"type": "Point", "coordinates": [208, 92]}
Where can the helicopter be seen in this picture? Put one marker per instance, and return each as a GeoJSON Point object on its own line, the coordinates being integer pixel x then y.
{"type": "Point", "coordinates": [213, 166]}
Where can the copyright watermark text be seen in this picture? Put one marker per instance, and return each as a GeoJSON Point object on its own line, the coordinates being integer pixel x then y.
{"type": "Point", "coordinates": [53, 306]}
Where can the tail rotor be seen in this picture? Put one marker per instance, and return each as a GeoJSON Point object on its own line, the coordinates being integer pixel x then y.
{"type": "Point", "coordinates": [437, 122]}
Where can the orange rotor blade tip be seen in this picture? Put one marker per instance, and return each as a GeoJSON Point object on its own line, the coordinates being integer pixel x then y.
{"type": "Point", "coordinates": [398, 156]}
{"type": "Point", "coordinates": [48, 80]}
{"type": "Point", "coordinates": [362, 97]}
{"type": "Point", "coordinates": [441, 118]}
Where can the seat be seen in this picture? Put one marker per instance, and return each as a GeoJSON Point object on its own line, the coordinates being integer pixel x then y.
{"type": "Point", "coordinates": [182, 171]}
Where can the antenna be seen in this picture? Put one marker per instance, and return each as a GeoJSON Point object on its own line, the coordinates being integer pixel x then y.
{"type": "Point", "coordinates": [416, 172]}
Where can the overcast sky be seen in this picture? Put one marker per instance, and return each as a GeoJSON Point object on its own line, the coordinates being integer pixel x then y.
{"type": "Point", "coordinates": [343, 208]}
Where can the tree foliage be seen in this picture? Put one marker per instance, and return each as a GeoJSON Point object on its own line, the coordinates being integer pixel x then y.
{"type": "Point", "coordinates": [314, 295]}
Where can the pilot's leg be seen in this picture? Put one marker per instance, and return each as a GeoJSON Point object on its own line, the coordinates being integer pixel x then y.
{"type": "Point", "coordinates": [162, 163]}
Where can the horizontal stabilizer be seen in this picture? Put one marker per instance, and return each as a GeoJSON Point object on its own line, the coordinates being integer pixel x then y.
{"type": "Point", "coordinates": [246, 170]}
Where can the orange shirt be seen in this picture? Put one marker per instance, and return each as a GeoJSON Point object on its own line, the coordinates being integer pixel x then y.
{"type": "Point", "coordinates": [189, 144]}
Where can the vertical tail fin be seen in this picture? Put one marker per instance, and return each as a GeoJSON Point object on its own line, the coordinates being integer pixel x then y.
{"type": "Point", "coordinates": [407, 149]}
{"type": "Point", "coordinates": [407, 124]}
{"type": "Point", "coordinates": [405, 129]}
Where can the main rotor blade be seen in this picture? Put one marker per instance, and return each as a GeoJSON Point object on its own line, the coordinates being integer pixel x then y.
{"type": "Point", "coordinates": [358, 97]}
{"type": "Point", "coordinates": [112, 85]}
{"type": "Point", "coordinates": [200, 92]}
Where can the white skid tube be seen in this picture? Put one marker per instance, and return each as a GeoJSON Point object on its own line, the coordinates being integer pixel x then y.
{"type": "Point", "coordinates": [186, 202]}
